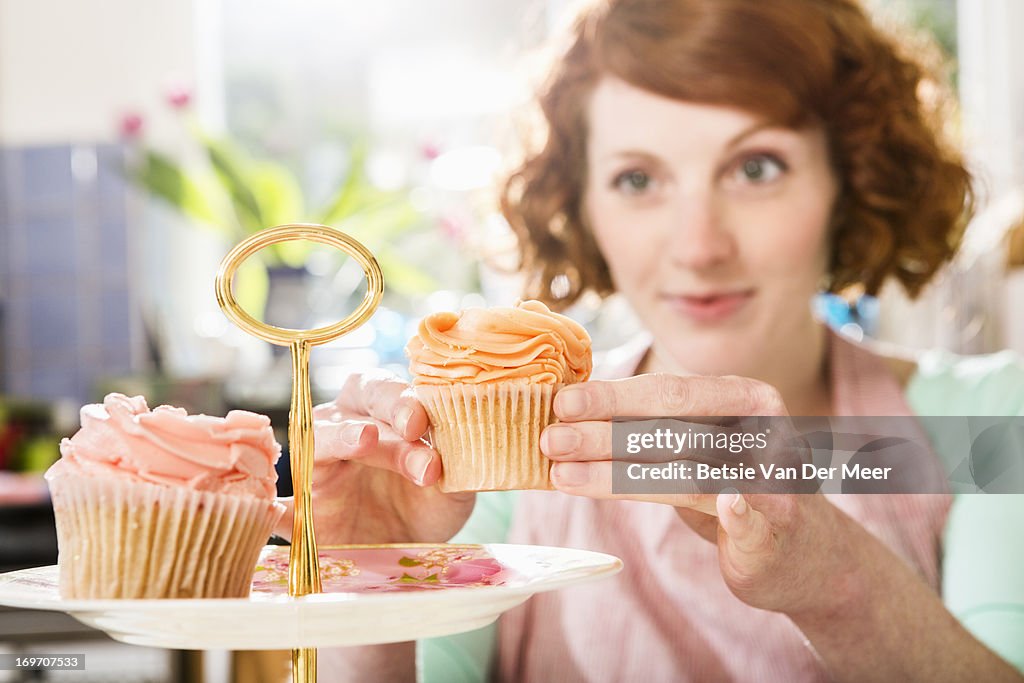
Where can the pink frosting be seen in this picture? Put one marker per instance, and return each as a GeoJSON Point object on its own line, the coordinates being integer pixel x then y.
{"type": "Point", "coordinates": [122, 437]}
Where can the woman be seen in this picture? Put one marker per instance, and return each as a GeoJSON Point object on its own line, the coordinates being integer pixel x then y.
{"type": "Point", "coordinates": [717, 162]}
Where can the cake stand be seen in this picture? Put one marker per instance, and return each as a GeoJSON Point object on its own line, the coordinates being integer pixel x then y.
{"type": "Point", "coordinates": [370, 595]}
{"type": "Point", "coordinates": [304, 597]}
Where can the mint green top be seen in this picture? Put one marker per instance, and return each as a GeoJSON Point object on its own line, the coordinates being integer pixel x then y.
{"type": "Point", "coordinates": [983, 558]}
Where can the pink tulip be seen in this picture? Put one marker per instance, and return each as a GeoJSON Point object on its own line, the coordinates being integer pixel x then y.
{"type": "Point", "coordinates": [179, 97]}
{"type": "Point", "coordinates": [453, 227]}
{"type": "Point", "coordinates": [430, 151]}
{"type": "Point", "coordinates": [131, 125]}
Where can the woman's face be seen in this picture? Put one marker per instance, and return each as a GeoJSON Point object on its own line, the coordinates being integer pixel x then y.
{"type": "Point", "coordinates": [713, 223]}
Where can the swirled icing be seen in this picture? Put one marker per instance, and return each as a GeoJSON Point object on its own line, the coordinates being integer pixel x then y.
{"type": "Point", "coordinates": [479, 345]}
{"type": "Point", "coordinates": [122, 437]}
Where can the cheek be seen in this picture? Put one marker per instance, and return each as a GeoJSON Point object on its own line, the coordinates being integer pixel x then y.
{"type": "Point", "coordinates": [628, 257]}
{"type": "Point", "coordinates": [789, 239]}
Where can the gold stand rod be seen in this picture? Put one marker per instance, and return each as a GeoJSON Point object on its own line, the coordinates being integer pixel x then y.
{"type": "Point", "coordinates": [303, 567]}
{"type": "Point", "coordinates": [303, 555]}
{"type": "Point", "coordinates": [304, 665]}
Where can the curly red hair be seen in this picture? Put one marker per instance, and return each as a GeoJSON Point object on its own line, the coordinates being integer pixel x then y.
{"type": "Point", "coordinates": [905, 193]}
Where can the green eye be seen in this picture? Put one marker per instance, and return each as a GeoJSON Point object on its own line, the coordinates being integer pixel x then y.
{"type": "Point", "coordinates": [632, 182]}
{"type": "Point", "coordinates": [760, 169]}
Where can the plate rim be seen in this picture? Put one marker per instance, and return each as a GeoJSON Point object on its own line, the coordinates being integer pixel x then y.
{"type": "Point", "coordinates": [611, 565]}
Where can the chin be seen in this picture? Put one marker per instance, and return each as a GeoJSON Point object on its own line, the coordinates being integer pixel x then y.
{"type": "Point", "coordinates": [711, 352]}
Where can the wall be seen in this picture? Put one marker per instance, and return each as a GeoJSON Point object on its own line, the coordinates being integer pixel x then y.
{"type": "Point", "coordinates": [968, 308]}
{"type": "Point", "coordinates": [73, 237]}
{"type": "Point", "coordinates": [69, 69]}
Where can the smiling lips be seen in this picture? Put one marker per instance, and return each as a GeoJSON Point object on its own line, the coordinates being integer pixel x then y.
{"type": "Point", "coordinates": [708, 308]}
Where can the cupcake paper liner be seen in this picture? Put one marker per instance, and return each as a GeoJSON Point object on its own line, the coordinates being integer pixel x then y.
{"type": "Point", "coordinates": [127, 539]}
{"type": "Point", "coordinates": [488, 435]}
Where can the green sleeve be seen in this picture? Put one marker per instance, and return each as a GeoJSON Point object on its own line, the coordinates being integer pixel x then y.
{"type": "Point", "coordinates": [983, 558]}
{"type": "Point", "coordinates": [983, 570]}
{"type": "Point", "coordinates": [467, 657]}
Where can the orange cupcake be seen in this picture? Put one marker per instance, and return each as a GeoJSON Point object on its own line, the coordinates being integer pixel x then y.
{"type": "Point", "coordinates": [487, 378]}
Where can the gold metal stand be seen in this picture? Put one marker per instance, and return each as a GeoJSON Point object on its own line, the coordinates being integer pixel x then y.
{"type": "Point", "coordinates": [303, 568]}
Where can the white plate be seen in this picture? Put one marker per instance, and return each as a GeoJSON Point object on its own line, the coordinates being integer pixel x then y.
{"type": "Point", "coordinates": [372, 594]}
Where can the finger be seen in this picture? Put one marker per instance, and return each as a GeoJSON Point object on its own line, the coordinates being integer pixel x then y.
{"type": "Point", "coordinates": [384, 396]}
{"type": "Point", "coordinates": [376, 445]}
{"type": "Point", "coordinates": [415, 460]}
{"type": "Point", "coordinates": [343, 440]}
{"type": "Point", "coordinates": [748, 531]}
{"type": "Point", "coordinates": [283, 528]}
{"type": "Point", "coordinates": [577, 441]}
{"type": "Point", "coordinates": [668, 396]}
{"type": "Point", "coordinates": [594, 480]}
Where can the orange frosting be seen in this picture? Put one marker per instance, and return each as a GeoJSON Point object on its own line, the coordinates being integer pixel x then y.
{"type": "Point", "coordinates": [480, 345]}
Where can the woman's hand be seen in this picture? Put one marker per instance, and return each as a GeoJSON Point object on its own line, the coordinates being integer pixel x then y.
{"type": "Point", "coordinates": [773, 547]}
{"type": "Point", "coordinates": [373, 476]}
{"type": "Point", "coordinates": [867, 614]}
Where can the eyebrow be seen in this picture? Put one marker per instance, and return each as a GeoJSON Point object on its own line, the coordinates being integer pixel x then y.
{"type": "Point", "coordinates": [735, 141]}
{"type": "Point", "coordinates": [626, 154]}
{"type": "Point", "coordinates": [730, 144]}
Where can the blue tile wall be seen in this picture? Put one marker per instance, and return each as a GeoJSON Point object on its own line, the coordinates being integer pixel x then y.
{"type": "Point", "coordinates": [67, 313]}
{"type": "Point", "coordinates": [113, 245]}
{"type": "Point", "coordinates": [52, 323]}
{"type": "Point", "coordinates": [3, 237]}
{"type": "Point", "coordinates": [48, 248]}
{"type": "Point", "coordinates": [111, 186]}
{"type": "Point", "coordinates": [46, 177]}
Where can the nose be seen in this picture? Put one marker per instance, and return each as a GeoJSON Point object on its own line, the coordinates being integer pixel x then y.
{"type": "Point", "coordinates": [701, 238]}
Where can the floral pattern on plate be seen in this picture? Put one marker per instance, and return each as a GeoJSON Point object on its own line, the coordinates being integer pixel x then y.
{"type": "Point", "coordinates": [375, 569]}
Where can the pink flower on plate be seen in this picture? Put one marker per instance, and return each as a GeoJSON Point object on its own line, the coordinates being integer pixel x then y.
{"type": "Point", "coordinates": [485, 571]}
{"type": "Point", "coordinates": [449, 567]}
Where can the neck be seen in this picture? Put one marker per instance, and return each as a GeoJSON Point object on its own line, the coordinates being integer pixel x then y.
{"type": "Point", "coordinates": [799, 371]}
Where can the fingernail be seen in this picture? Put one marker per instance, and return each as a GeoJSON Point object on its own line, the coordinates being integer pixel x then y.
{"type": "Point", "coordinates": [559, 440]}
{"type": "Point", "coordinates": [570, 474]}
{"type": "Point", "coordinates": [402, 416]}
{"type": "Point", "coordinates": [572, 402]}
{"type": "Point", "coordinates": [416, 464]}
{"type": "Point", "coordinates": [352, 434]}
{"type": "Point", "coordinates": [738, 504]}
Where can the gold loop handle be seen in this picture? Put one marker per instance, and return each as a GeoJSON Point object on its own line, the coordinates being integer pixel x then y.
{"type": "Point", "coordinates": [303, 566]}
{"type": "Point", "coordinates": [283, 336]}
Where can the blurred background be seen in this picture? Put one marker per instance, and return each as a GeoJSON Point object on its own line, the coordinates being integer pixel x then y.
{"type": "Point", "coordinates": [140, 140]}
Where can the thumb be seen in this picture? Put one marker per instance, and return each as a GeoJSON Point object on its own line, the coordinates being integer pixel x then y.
{"type": "Point", "coordinates": [747, 530]}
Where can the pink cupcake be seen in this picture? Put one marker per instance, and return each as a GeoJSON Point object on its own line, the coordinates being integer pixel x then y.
{"type": "Point", "coordinates": [162, 504]}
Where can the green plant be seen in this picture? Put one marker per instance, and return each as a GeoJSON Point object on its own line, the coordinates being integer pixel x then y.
{"type": "Point", "coordinates": [234, 193]}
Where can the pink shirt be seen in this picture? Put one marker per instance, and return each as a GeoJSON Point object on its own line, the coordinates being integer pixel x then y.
{"type": "Point", "coordinates": [668, 616]}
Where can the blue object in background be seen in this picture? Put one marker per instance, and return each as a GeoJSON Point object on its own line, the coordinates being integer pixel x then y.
{"type": "Point", "coordinates": [856, 319]}
{"type": "Point", "coordinates": [390, 339]}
